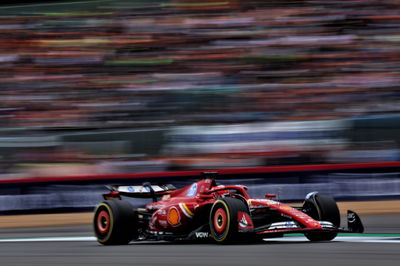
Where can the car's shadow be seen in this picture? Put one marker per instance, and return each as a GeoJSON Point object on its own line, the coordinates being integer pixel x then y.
{"type": "Point", "coordinates": [247, 243]}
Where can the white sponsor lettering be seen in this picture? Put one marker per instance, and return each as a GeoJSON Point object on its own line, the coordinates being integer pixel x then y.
{"type": "Point", "coordinates": [201, 234]}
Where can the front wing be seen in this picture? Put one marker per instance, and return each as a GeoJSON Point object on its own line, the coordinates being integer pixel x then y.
{"type": "Point", "coordinates": [354, 225]}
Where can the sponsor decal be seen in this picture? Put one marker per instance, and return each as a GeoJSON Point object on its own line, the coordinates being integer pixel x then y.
{"type": "Point", "coordinates": [186, 211]}
{"type": "Point", "coordinates": [291, 225]}
{"type": "Point", "coordinates": [202, 234]}
{"type": "Point", "coordinates": [283, 225]}
{"type": "Point", "coordinates": [158, 232]}
{"type": "Point", "coordinates": [173, 216]}
{"type": "Point", "coordinates": [257, 202]}
{"type": "Point", "coordinates": [192, 190]}
{"type": "Point", "coordinates": [155, 206]}
{"type": "Point", "coordinates": [145, 189]}
{"type": "Point", "coordinates": [310, 220]}
{"type": "Point", "coordinates": [245, 221]}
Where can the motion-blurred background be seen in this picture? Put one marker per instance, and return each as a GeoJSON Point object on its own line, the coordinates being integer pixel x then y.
{"type": "Point", "coordinates": [129, 86]}
{"type": "Point", "coordinates": [126, 86]}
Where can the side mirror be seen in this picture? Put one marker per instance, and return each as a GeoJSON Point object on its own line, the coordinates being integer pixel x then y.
{"type": "Point", "coordinates": [270, 196]}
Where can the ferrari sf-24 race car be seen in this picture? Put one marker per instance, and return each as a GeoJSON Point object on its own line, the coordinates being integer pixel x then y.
{"type": "Point", "coordinates": [222, 213]}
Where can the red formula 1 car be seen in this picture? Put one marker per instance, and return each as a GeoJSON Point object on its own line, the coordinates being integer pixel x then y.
{"type": "Point", "coordinates": [205, 210]}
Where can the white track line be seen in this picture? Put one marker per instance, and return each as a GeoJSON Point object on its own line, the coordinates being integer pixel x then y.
{"type": "Point", "coordinates": [360, 239]}
{"type": "Point", "coordinates": [49, 239]}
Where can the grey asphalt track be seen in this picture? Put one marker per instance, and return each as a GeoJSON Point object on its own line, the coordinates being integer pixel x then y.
{"type": "Point", "coordinates": [164, 253]}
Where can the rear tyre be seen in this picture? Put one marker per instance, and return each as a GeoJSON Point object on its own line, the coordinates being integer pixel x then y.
{"type": "Point", "coordinates": [322, 208]}
{"type": "Point", "coordinates": [115, 222]}
{"type": "Point", "coordinates": [224, 224]}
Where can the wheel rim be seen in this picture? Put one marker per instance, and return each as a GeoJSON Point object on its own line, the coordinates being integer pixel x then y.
{"type": "Point", "coordinates": [220, 220]}
{"type": "Point", "coordinates": [103, 222]}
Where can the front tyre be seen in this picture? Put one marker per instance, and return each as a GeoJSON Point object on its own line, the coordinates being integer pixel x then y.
{"type": "Point", "coordinates": [224, 224]}
{"type": "Point", "coordinates": [322, 208]}
{"type": "Point", "coordinates": [115, 222]}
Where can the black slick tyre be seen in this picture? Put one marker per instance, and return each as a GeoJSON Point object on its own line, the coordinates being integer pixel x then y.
{"type": "Point", "coordinates": [115, 222]}
{"type": "Point", "coordinates": [322, 208]}
{"type": "Point", "coordinates": [223, 220]}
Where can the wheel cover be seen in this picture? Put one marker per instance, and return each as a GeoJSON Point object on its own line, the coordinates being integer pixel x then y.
{"type": "Point", "coordinates": [103, 222]}
{"type": "Point", "coordinates": [220, 220]}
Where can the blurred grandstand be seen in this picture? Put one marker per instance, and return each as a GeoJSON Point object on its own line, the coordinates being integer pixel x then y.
{"type": "Point", "coordinates": [128, 86]}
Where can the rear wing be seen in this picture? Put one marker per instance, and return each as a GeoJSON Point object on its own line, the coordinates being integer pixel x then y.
{"type": "Point", "coordinates": [139, 191]}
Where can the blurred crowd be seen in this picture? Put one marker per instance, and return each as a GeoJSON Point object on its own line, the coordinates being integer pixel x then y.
{"type": "Point", "coordinates": [131, 64]}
